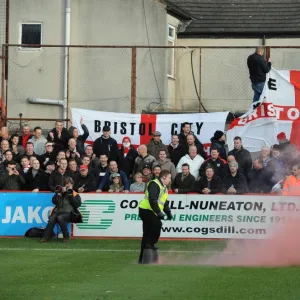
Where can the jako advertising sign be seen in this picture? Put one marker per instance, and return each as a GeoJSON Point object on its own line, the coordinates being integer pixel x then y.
{"type": "Point", "coordinates": [21, 211]}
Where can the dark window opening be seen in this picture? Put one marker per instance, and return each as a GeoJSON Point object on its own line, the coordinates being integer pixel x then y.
{"type": "Point", "coordinates": [31, 34]}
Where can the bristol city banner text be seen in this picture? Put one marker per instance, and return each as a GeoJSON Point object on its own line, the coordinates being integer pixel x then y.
{"type": "Point", "coordinates": [140, 127]}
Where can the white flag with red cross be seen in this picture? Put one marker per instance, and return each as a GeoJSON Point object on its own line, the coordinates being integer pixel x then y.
{"type": "Point", "coordinates": [278, 111]}
{"type": "Point", "coordinates": [140, 127]}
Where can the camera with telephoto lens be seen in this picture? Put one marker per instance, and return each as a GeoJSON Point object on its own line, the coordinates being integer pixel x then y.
{"type": "Point", "coordinates": [58, 189]}
{"type": "Point", "coordinates": [70, 192]}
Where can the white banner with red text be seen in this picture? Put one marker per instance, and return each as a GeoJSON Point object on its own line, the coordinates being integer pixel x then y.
{"type": "Point", "coordinates": [194, 216]}
{"type": "Point", "coordinates": [140, 127]}
{"type": "Point", "coordinates": [278, 110]}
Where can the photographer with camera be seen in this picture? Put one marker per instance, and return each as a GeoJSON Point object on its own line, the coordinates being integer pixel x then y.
{"type": "Point", "coordinates": [66, 202]}
{"type": "Point", "coordinates": [11, 179]}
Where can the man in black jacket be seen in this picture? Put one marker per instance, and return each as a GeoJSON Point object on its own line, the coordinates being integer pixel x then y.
{"type": "Point", "coordinates": [11, 180]}
{"type": "Point", "coordinates": [66, 202]}
{"type": "Point", "coordinates": [80, 139]}
{"type": "Point", "coordinates": [260, 180]}
{"type": "Point", "coordinates": [49, 155]}
{"type": "Point", "coordinates": [58, 176]}
{"type": "Point", "coordinates": [218, 141]}
{"type": "Point", "coordinates": [185, 131]}
{"type": "Point", "coordinates": [36, 179]}
{"type": "Point", "coordinates": [242, 156]}
{"type": "Point", "coordinates": [235, 182]}
{"type": "Point", "coordinates": [84, 182]}
{"type": "Point", "coordinates": [258, 68]}
{"type": "Point", "coordinates": [176, 151]}
{"type": "Point", "coordinates": [215, 162]}
{"type": "Point", "coordinates": [183, 182]}
{"type": "Point", "coordinates": [59, 136]}
{"type": "Point", "coordinates": [152, 210]}
{"type": "Point", "coordinates": [106, 144]}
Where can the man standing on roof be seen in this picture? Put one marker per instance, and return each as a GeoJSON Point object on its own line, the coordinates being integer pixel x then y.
{"type": "Point", "coordinates": [152, 210]}
{"type": "Point", "coordinates": [258, 68]}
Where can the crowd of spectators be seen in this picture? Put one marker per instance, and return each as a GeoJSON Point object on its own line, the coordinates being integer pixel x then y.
{"type": "Point", "coordinates": [34, 162]}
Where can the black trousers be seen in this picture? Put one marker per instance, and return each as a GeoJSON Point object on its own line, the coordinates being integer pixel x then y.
{"type": "Point", "coordinates": [60, 218]}
{"type": "Point", "coordinates": [151, 229]}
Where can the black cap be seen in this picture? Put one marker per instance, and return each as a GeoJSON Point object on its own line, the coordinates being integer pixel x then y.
{"type": "Point", "coordinates": [50, 162]}
{"type": "Point", "coordinates": [106, 128]}
{"type": "Point", "coordinates": [146, 167]}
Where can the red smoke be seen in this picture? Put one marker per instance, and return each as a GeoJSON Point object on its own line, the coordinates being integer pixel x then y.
{"type": "Point", "coordinates": [283, 249]}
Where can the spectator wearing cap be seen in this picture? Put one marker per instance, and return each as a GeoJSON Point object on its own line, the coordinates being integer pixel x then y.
{"type": "Point", "coordinates": [36, 179]}
{"type": "Point", "coordinates": [209, 183]}
{"type": "Point", "coordinates": [291, 186]}
{"type": "Point", "coordinates": [184, 181]}
{"type": "Point", "coordinates": [185, 131]}
{"type": "Point", "coordinates": [138, 186]}
{"type": "Point", "coordinates": [242, 156]}
{"type": "Point", "coordinates": [100, 171]}
{"type": "Point", "coordinates": [260, 179]}
{"type": "Point", "coordinates": [49, 155]}
{"type": "Point", "coordinates": [215, 161]}
{"type": "Point", "coordinates": [88, 151]}
{"type": "Point", "coordinates": [25, 136]}
{"type": "Point", "coordinates": [107, 180]}
{"type": "Point", "coordinates": [50, 167]}
{"type": "Point", "coordinates": [117, 185]}
{"type": "Point", "coordinates": [84, 182]}
{"type": "Point", "coordinates": [176, 151]}
{"type": "Point", "coordinates": [17, 149]}
{"type": "Point", "coordinates": [165, 163]}
{"type": "Point", "coordinates": [146, 174]}
{"type": "Point", "coordinates": [143, 159]}
{"type": "Point", "coordinates": [59, 136]}
{"type": "Point", "coordinates": [80, 139]}
{"type": "Point", "coordinates": [106, 144]}
{"type": "Point", "coordinates": [235, 182]}
{"type": "Point", "coordinates": [58, 176]}
{"type": "Point", "coordinates": [155, 172]}
{"type": "Point", "coordinates": [193, 159]}
{"type": "Point", "coordinates": [155, 145]}
{"type": "Point", "coordinates": [218, 142]}
{"type": "Point", "coordinates": [190, 141]}
{"type": "Point", "coordinates": [11, 179]}
{"type": "Point", "coordinates": [126, 157]}
{"type": "Point", "coordinates": [38, 141]}
{"type": "Point", "coordinates": [73, 168]}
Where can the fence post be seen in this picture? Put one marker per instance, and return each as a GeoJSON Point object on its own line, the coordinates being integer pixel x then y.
{"type": "Point", "coordinates": [3, 108]}
{"type": "Point", "coordinates": [68, 87]}
{"type": "Point", "coordinates": [133, 80]}
{"type": "Point", "coordinates": [268, 52]}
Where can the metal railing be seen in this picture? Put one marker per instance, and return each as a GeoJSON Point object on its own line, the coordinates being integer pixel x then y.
{"type": "Point", "coordinates": [130, 78]}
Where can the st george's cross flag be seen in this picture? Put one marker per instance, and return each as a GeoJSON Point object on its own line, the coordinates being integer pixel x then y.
{"type": "Point", "coordinates": [140, 127]}
{"type": "Point", "coordinates": [278, 110]}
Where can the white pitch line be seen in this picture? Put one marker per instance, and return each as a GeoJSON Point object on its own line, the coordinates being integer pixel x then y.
{"type": "Point", "coordinates": [112, 250]}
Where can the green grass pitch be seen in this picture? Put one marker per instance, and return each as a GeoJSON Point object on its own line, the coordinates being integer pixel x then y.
{"type": "Point", "coordinates": [96, 269]}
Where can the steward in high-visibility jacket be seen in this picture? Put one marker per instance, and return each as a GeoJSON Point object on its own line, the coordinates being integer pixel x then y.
{"type": "Point", "coordinates": [152, 209]}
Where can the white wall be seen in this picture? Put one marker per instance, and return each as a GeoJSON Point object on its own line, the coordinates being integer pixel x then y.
{"type": "Point", "coordinates": [99, 78]}
{"type": "Point", "coordinates": [224, 82]}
